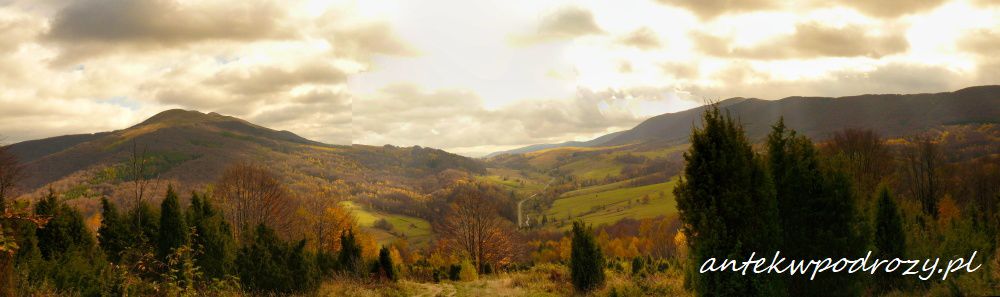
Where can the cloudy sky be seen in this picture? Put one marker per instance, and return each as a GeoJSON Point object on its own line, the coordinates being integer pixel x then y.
{"type": "Point", "coordinates": [470, 77]}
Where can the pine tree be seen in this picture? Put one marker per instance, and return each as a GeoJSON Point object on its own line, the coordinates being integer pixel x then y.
{"type": "Point", "coordinates": [213, 237]}
{"type": "Point", "coordinates": [816, 211]}
{"type": "Point", "coordinates": [173, 231]}
{"type": "Point", "coordinates": [113, 234]}
{"type": "Point", "coordinates": [890, 241]}
{"type": "Point", "coordinates": [586, 260]}
{"type": "Point", "coordinates": [64, 232]}
{"type": "Point", "coordinates": [349, 257]}
{"type": "Point", "coordinates": [386, 267]}
{"type": "Point", "coordinates": [268, 265]}
{"type": "Point", "coordinates": [727, 203]}
{"type": "Point", "coordinates": [145, 232]}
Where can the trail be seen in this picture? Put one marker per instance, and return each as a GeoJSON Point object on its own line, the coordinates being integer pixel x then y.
{"type": "Point", "coordinates": [520, 213]}
{"type": "Point", "coordinates": [436, 290]}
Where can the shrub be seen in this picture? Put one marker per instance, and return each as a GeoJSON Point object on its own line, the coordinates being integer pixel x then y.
{"type": "Point", "coordinates": [468, 272]}
{"type": "Point", "coordinates": [383, 224]}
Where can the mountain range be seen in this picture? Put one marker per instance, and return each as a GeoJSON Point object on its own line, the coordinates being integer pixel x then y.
{"type": "Point", "coordinates": [890, 115]}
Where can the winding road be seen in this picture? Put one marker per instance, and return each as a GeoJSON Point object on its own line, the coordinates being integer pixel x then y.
{"type": "Point", "coordinates": [521, 222]}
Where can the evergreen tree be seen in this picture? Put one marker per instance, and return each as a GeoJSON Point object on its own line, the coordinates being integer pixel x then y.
{"type": "Point", "coordinates": [586, 260]}
{"type": "Point", "coordinates": [385, 266]}
{"type": "Point", "coordinates": [213, 237]}
{"type": "Point", "coordinates": [173, 231]}
{"type": "Point", "coordinates": [890, 241]}
{"type": "Point", "coordinates": [113, 234]}
{"type": "Point", "coordinates": [816, 211]}
{"type": "Point", "coordinates": [144, 231]}
{"type": "Point", "coordinates": [727, 203]}
{"type": "Point", "coordinates": [350, 253]}
{"type": "Point", "coordinates": [268, 265]}
{"type": "Point", "coordinates": [64, 232]}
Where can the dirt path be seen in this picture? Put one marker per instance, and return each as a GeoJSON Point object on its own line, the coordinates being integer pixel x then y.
{"type": "Point", "coordinates": [520, 213]}
{"type": "Point", "coordinates": [436, 290]}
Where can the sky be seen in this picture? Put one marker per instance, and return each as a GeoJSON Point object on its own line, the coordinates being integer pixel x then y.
{"type": "Point", "coordinates": [470, 77]}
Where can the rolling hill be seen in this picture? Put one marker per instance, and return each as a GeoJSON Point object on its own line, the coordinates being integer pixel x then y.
{"type": "Point", "coordinates": [890, 115]}
{"type": "Point", "coordinates": [189, 150]}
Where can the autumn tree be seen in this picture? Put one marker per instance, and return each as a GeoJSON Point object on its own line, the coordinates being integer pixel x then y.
{"type": "Point", "coordinates": [473, 227]}
{"type": "Point", "coordinates": [727, 204]}
{"type": "Point", "coordinates": [863, 155]}
{"type": "Point", "coordinates": [254, 195]}
{"type": "Point", "coordinates": [324, 219]}
{"type": "Point", "coordinates": [16, 228]}
{"type": "Point", "coordinates": [11, 173]}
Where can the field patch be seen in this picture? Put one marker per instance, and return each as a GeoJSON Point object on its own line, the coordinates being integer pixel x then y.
{"type": "Point", "coordinates": [608, 204]}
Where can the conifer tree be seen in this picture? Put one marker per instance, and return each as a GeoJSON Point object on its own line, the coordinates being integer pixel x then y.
{"type": "Point", "coordinates": [586, 260]}
{"type": "Point", "coordinates": [890, 241]}
{"type": "Point", "coordinates": [113, 233]}
{"type": "Point", "coordinates": [385, 265]}
{"type": "Point", "coordinates": [144, 232]}
{"type": "Point", "coordinates": [173, 231]}
{"type": "Point", "coordinates": [816, 211]}
{"type": "Point", "coordinates": [64, 232]}
{"type": "Point", "coordinates": [350, 253]}
{"type": "Point", "coordinates": [727, 203]}
{"type": "Point", "coordinates": [213, 237]}
{"type": "Point", "coordinates": [268, 265]}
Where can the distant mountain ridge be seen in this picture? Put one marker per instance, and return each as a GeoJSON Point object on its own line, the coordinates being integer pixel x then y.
{"type": "Point", "coordinates": [193, 148]}
{"type": "Point", "coordinates": [817, 117]}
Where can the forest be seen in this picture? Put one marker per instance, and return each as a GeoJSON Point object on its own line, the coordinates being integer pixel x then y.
{"type": "Point", "coordinates": [258, 230]}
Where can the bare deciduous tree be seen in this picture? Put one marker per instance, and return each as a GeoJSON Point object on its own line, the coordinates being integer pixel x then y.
{"type": "Point", "coordinates": [137, 170]}
{"type": "Point", "coordinates": [922, 165]}
{"type": "Point", "coordinates": [11, 173]}
{"type": "Point", "coordinates": [473, 227]}
{"type": "Point", "coordinates": [253, 195]}
{"type": "Point", "coordinates": [865, 156]}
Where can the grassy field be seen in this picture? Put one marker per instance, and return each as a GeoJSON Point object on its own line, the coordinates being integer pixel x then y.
{"type": "Point", "coordinates": [606, 204]}
{"type": "Point", "coordinates": [598, 167]}
{"type": "Point", "coordinates": [539, 281]}
{"type": "Point", "coordinates": [521, 182]}
{"type": "Point", "coordinates": [416, 230]}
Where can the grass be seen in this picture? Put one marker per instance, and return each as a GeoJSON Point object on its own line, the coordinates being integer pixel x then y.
{"type": "Point", "coordinates": [598, 167]}
{"type": "Point", "coordinates": [417, 231]}
{"type": "Point", "coordinates": [520, 182]}
{"type": "Point", "coordinates": [541, 280]}
{"type": "Point", "coordinates": [608, 206]}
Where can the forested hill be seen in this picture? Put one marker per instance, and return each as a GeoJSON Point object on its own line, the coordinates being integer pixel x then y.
{"type": "Point", "coordinates": [890, 115]}
{"type": "Point", "coordinates": [191, 149]}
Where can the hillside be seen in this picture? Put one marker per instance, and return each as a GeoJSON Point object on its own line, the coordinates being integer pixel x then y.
{"type": "Point", "coordinates": [890, 115]}
{"type": "Point", "coordinates": [189, 150]}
